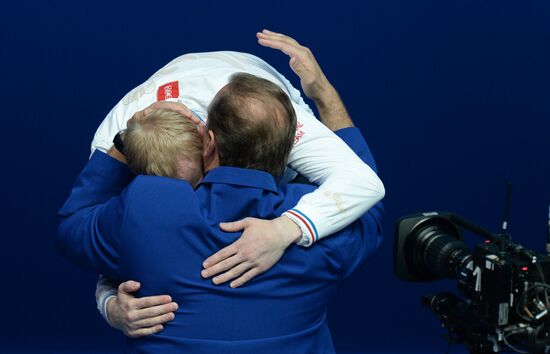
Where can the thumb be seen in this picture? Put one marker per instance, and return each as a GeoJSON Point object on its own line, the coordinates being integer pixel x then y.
{"type": "Point", "coordinates": [295, 65]}
{"type": "Point", "coordinates": [293, 61]}
{"type": "Point", "coordinates": [129, 286]}
{"type": "Point", "coordinates": [234, 226]}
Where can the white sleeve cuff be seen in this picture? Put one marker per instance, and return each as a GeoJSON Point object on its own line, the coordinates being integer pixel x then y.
{"type": "Point", "coordinates": [105, 290]}
{"type": "Point", "coordinates": [309, 231]}
{"type": "Point", "coordinates": [103, 309]}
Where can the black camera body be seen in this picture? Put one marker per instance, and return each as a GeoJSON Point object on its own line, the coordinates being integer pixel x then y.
{"type": "Point", "coordinates": [504, 276]}
{"type": "Point", "coordinates": [504, 299]}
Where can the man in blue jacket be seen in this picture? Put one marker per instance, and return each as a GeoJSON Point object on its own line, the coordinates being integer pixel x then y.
{"type": "Point", "coordinates": [158, 230]}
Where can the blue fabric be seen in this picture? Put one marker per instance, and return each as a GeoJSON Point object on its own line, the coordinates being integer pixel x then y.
{"type": "Point", "coordinates": [158, 231]}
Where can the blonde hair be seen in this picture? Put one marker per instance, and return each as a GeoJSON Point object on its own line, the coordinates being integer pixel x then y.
{"type": "Point", "coordinates": [158, 143]}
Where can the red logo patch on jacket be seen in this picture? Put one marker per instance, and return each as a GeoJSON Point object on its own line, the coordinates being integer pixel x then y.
{"type": "Point", "coordinates": [299, 132]}
{"type": "Point", "coordinates": [167, 91]}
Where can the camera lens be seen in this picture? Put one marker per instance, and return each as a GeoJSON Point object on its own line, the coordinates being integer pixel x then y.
{"type": "Point", "coordinates": [437, 250]}
{"type": "Point", "coordinates": [444, 254]}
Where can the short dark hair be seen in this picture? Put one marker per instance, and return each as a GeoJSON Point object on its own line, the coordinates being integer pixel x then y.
{"type": "Point", "coordinates": [254, 123]}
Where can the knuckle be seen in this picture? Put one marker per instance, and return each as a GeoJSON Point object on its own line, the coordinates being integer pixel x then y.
{"type": "Point", "coordinates": [247, 254]}
{"type": "Point", "coordinates": [130, 316]}
{"type": "Point", "coordinates": [239, 257]}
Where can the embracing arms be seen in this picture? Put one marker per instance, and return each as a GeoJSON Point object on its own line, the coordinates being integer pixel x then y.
{"type": "Point", "coordinates": [348, 187]}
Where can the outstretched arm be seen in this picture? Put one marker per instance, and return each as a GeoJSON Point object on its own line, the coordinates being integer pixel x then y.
{"type": "Point", "coordinates": [333, 113]}
{"type": "Point", "coordinates": [348, 187]}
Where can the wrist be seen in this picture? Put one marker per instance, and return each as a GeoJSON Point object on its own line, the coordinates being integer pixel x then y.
{"type": "Point", "coordinates": [289, 229]}
{"type": "Point", "coordinates": [109, 308]}
{"type": "Point", "coordinates": [321, 91]}
{"type": "Point", "coordinates": [332, 111]}
{"type": "Point", "coordinates": [326, 97]}
{"type": "Point", "coordinates": [117, 155]}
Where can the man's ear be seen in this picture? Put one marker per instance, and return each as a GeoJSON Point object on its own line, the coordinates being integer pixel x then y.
{"type": "Point", "coordinates": [208, 143]}
{"type": "Point", "coordinates": [209, 150]}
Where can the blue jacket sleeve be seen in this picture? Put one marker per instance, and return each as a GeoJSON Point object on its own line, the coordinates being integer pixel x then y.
{"type": "Point", "coordinates": [92, 218]}
{"type": "Point", "coordinates": [365, 234]}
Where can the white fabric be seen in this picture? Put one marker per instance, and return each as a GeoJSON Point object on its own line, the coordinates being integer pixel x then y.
{"type": "Point", "coordinates": [348, 187]}
{"type": "Point", "coordinates": [105, 290]}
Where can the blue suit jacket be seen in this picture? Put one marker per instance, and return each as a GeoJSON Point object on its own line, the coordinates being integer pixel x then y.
{"type": "Point", "coordinates": [159, 230]}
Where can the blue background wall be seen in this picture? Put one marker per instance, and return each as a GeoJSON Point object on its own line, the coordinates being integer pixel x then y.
{"type": "Point", "coordinates": [453, 97]}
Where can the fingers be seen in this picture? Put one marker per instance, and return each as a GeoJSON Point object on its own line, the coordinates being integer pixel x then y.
{"type": "Point", "coordinates": [234, 226]}
{"type": "Point", "coordinates": [151, 301]}
{"type": "Point", "coordinates": [257, 250]}
{"type": "Point", "coordinates": [279, 40]}
{"type": "Point", "coordinates": [222, 264]}
{"type": "Point", "coordinates": [178, 108]}
{"type": "Point", "coordinates": [202, 130]}
{"type": "Point", "coordinates": [221, 255]}
{"type": "Point", "coordinates": [302, 62]}
{"type": "Point", "coordinates": [154, 321]}
{"type": "Point", "coordinates": [193, 118]}
{"type": "Point", "coordinates": [144, 331]}
{"type": "Point", "coordinates": [232, 273]}
{"type": "Point", "coordinates": [135, 317]}
{"type": "Point", "coordinates": [246, 277]}
{"type": "Point", "coordinates": [267, 34]}
{"type": "Point", "coordinates": [289, 49]}
{"type": "Point", "coordinates": [173, 106]}
{"type": "Point", "coordinates": [287, 45]}
{"type": "Point", "coordinates": [129, 286]}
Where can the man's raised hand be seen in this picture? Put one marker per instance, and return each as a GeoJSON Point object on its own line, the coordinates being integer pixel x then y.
{"type": "Point", "coordinates": [302, 61]}
{"type": "Point", "coordinates": [315, 84]}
